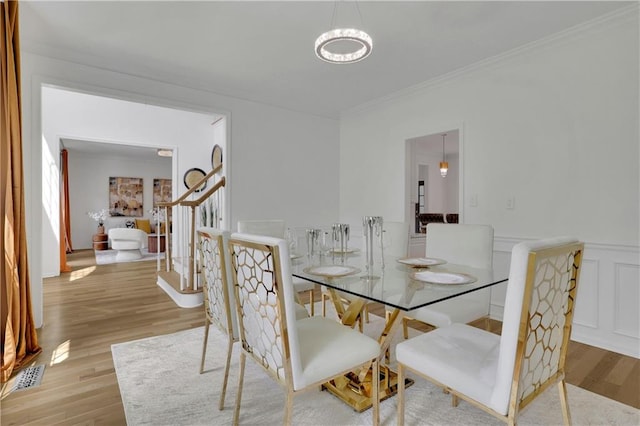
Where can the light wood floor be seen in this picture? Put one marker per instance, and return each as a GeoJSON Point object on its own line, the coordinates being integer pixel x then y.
{"type": "Point", "coordinates": [89, 309]}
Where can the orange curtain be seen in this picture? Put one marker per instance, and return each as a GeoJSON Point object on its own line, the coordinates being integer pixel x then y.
{"type": "Point", "coordinates": [65, 225]}
{"type": "Point", "coordinates": [18, 333]}
{"type": "Point", "coordinates": [64, 201]}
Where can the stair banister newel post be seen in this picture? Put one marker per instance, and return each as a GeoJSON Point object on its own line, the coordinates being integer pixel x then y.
{"type": "Point", "coordinates": [185, 226]}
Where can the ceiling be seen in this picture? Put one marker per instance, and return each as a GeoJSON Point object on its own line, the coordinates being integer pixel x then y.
{"type": "Point", "coordinates": [113, 150]}
{"type": "Point", "coordinates": [263, 51]}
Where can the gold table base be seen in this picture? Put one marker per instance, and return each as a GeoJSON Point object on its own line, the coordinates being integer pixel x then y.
{"type": "Point", "coordinates": [354, 389]}
{"type": "Point", "coordinates": [358, 396]}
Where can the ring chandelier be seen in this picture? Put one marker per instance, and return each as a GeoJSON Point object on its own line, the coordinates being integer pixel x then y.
{"type": "Point", "coordinates": [362, 39]}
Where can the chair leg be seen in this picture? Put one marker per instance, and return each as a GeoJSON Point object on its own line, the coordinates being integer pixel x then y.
{"type": "Point", "coordinates": [566, 414]}
{"type": "Point", "coordinates": [366, 313]}
{"type": "Point", "coordinates": [375, 378]}
{"type": "Point", "coordinates": [236, 413]}
{"type": "Point", "coordinates": [454, 400]}
{"type": "Point", "coordinates": [405, 327]}
{"type": "Point", "coordinates": [323, 298]}
{"type": "Point", "coordinates": [400, 379]}
{"type": "Point", "coordinates": [288, 410]}
{"type": "Point", "coordinates": [226, 374]}
{"type": "Point", "coordinates": [311, 302]}
{"type": "Point", "coordinates": [204, 344]}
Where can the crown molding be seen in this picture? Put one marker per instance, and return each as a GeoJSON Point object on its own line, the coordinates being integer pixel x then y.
{"type": "Point", "coordinates": [611, 19]}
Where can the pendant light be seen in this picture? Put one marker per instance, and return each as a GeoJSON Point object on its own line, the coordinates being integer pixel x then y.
{"type": "Point", "coordinates": [444, 166]}
{"type": "Point", "coordinates": [362, 41]}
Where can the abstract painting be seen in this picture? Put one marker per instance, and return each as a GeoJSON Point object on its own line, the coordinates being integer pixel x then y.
{"type": "Point", "coordinates": [125, 196]}
{"type": "Point", "coordinates": [161, 191]}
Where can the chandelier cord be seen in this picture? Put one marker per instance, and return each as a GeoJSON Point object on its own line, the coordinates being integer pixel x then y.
{"type": "Point", "coordinates": [359, 14]}
{"type": "Point", "coordinates": [333, 15]}
{"type": "Point", "coordinates": [443, 136]}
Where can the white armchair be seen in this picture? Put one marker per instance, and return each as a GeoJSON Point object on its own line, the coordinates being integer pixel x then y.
{"type": "Point", "coordinates": [503, 374]}
{"type": "Point", "coordinates": [128, 242]}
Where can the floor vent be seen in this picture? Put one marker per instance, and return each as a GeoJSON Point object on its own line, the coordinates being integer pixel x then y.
{"type": "Point", "coordinates": [29, 377]}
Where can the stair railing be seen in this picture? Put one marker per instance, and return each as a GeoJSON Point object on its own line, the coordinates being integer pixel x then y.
{"type": "Point", "coordinates": [182, 201]}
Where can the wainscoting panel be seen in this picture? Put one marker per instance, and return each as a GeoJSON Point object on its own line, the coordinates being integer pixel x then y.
{"type": "Point", "coordinates": [627, 300]}
{"type": "Point", "coordinates": [607, 307]}
{"type": "Point", "coordinates": [586, 314]}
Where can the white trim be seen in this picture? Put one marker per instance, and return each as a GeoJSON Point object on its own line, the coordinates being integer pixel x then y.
{"type": "Point", "coordinates": [611, 18]}
{"type": "Point", "coordinates": [434, 130]}
{"type": "Point", "coordinates": [192, 300]}
{"type": "Point", "coordinates": [603, 318]}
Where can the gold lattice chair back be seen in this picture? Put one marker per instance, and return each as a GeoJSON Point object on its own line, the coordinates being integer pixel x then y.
{"type": "Point", "coordinates": [503, 374]}
{"type": "Point", "coordinates": [260, 308]}
{"type": "Point", "coordinates": [547, 315]}
{"type": "Point", "coordinates": [218, 294]}
{"type": "Point", "coordinates": [216, 280]}
{"type": "Point", "coordinates": [299, 352]}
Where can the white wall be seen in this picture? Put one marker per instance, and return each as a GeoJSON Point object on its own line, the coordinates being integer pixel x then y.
{"type": "Point", "coordinates": [272, 162]}
{"type": "Point", "coordinates": [555, 126]}
{"type": "Point", "coordinates": [89, 188]}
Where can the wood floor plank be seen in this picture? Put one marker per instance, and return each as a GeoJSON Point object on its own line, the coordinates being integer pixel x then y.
{"type": "Point", "coordinates": [93, 307]}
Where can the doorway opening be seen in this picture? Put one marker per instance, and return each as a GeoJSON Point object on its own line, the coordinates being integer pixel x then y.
{"type": "Point", "coordinates": [113, 137]}
{"type": "Point", "coordinates": [432, 197]}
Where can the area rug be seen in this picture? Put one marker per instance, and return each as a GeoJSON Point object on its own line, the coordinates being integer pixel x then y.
{"type": "Point", "coordinates": [160, 385]}
{"type": "Point", "coordinates": [106, 257]}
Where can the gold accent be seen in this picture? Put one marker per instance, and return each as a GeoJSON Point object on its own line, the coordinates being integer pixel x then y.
{"type": "Point", "coordinates": [217, 303]}
{"type": "Point", "coordinates": [357, 394]}
{"type": "Point", "coordinates": [257, 277]}
{"type": "Point", "coordinates": [543, 339]}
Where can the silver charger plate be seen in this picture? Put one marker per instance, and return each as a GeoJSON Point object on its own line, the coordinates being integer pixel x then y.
{"type": "Point", "coordinates": [421, 262]}
{"type": "Point", "coordinates": [445, 278]}
{"type": "Point", "coordinates": [332, 271]}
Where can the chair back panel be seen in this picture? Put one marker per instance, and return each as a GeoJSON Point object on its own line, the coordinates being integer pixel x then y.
{"type": "Point", "coordinates": [269, 228]}
{"type": "Point", "coordinates": [537, 319]}
{"type": "Point", "coordinates": [546, 325]}
{"type": "Point", "coordinates": [467, 245]}
{"type": "Point", "coordinates": [218, 292]}
{"type": "Point", "coordinates": [464, 244]}
{"type": "Point", "coordinates": [264, 301]}
{"type": "Point", "coordinates": [396, 238]}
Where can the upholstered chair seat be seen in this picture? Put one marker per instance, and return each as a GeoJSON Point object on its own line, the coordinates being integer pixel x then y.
{"type": "Point", "coordinates": [503, 373]}
{"type": "Point", "coordinates": [298, 354]}
{"type": "Point", "coordinates": [327, 348]}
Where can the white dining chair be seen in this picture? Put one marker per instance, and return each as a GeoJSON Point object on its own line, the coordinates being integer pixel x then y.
{"type": "Point", "coordinates": [470, 245]}
{"type": "Point", "coordinates": [298, 354]}
{"type": "Point", "coordinates": [395, 242]}
{"type": "Point", "coordinates": [276, 228]}
{"type": "Point", "coordinates": [502, 374]}
{"type": "Point", "coordinates": [218, 293]}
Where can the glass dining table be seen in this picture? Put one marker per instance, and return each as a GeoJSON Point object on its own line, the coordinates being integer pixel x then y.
{"type": "Point", "coordinates": [402, 285]}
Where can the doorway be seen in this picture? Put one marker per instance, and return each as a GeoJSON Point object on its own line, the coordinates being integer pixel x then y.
{"type": "Point", "coordinates": [116, 124]}
{"type": "Point", "coordinates": [430, 196]}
